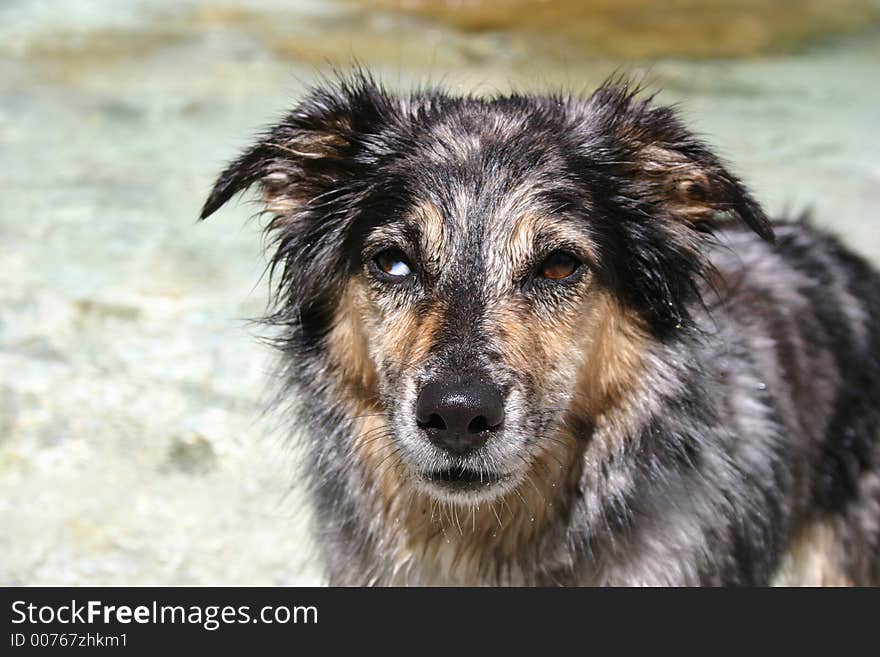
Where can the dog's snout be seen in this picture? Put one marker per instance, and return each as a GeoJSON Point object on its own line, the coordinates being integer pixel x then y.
{"type": "Point", "coordinates": [459, 416]}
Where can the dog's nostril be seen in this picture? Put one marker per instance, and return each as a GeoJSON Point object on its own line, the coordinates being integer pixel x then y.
{"type": "Point", "coordinates": [433, 422]}
{"type": "Point", "coordinates": [481, 424]}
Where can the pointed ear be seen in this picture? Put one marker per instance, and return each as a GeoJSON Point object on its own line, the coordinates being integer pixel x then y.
{"type": "Point", "coordinates": [238, 176]}
{"type": "Point", "coordinates": [690, 182]}
{"type": "Point", "coordinates": [318, 144]}
{"type": "Point", "coordinates": [668, 166]}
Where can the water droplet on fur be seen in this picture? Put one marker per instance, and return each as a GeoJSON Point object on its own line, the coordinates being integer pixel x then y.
{"type": "Point", "coordinates": [532, 519]}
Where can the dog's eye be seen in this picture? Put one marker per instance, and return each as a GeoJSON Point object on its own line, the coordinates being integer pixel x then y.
{"type": "Point", "coordinates": [393, 263]}
{"type": "Point", "coordinates": [559, 265]}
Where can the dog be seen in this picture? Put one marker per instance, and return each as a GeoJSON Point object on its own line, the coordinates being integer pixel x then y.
{"type": "Point", "coordinates": [553, 340]}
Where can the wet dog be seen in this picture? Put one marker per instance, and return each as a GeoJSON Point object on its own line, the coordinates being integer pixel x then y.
{"type": "Point", "coordinates": [554, 341]}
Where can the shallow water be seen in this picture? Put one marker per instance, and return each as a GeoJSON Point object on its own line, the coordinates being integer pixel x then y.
{"type": "Point", "coordinates": [132, 446]}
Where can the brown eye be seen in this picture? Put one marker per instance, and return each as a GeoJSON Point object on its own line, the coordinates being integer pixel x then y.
{"type": "Point", "coordinates": [559, 265]}
{"type": "Point", "coordinates": [392, 263]}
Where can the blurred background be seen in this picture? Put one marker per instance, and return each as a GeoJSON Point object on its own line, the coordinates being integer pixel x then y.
{"type": "Point", "coordinates": [133, 448]}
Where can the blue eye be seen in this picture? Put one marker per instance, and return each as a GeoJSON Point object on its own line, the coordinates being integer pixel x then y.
{"type": "Point", "coordinates": [392, 263]}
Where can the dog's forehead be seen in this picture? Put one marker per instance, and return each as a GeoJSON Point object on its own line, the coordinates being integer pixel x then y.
{"type": "Point", "coordinates": [475, 212]}
{"type": "Point", "coordinates": [476, 177]}
{"type": "Point", "coordinates": [484, 185]}
{"type": "Point", "coordinates": [486, 236]}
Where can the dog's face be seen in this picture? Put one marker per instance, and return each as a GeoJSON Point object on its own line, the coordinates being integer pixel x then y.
{"type": "Point", "coordinates": [473, 299]}
{"type": "Point", "coordinates": [482, 275]}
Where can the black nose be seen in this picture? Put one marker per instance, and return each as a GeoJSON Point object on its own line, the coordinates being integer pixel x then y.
{"type": "Point", "coordinates": [459, 415]}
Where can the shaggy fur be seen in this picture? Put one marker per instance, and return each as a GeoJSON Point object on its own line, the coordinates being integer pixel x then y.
{"type": "Point", "coordinates": [697, 403]}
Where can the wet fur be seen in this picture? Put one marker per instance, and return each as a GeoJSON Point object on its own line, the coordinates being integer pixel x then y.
{"type": "Point", "coordinates": [701, 407]}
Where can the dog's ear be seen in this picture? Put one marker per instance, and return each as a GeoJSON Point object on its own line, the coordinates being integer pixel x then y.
{"type": "Point", "coordinates": [323, 142]}
{"type": "Point", "coordinates": [667, 165]}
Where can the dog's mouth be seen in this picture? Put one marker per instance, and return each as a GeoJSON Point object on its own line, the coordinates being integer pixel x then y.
{"type": "Point", "coordinates": [463, 479]}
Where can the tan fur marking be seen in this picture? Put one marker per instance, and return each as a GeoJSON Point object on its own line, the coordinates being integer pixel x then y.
{"type": "Point", "coordinates": [430, 223]}
{"type": "Point", "coordinates": [283, 198]}
{"type": "Point", "coordinates": [408, 339]}
{"type": "Point", "coordinates": [521, 239]}
{"type": "Point", "coordinates": [373, 443]}
{"type": "Point", "coordinates": [518, 336]}
{"type": "Point", "coordinates": [813, 559]}
{"type": "Point", "coordinates": [614, 359]}
{"type": "Point", "coordinates": [348, 352]}
{"type": "Point", "coordinates": [681, 185]}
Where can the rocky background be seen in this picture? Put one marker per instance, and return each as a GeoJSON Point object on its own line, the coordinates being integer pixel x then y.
{"type": "Point", "coordinates": [133, 444]}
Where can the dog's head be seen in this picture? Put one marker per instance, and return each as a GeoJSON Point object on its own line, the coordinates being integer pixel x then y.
{"type": "Point", "coordinates": [479, 273]}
